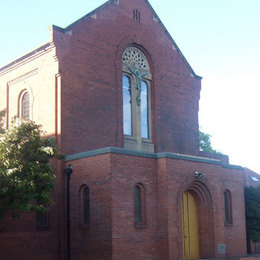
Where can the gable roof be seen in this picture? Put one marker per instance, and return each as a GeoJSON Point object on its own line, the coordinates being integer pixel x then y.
{"type": "Point", "coordinates": [69, 27]}
{"type": "Point", "coordinates": [155, 15]}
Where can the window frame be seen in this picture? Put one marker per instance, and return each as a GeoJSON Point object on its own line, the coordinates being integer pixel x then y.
{"type": "Point", "coordinates": [84, 223]}
{"type": "Point", "coordinates": [142, 211]}
{"type": "Point", "coordinates": [136, 122]}
{"type": "Point", "coordinates": [21, 105]}
{"type": "Point", "coordinates": [42, 215]}
{"type": "Point", "coordinates": [228, 216]}
{"type": "Point", "coordinates": [135, 140]}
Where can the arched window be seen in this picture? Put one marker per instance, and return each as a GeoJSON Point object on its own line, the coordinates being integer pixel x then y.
{"type": "Point", "coordinates": [139, 207]}
{"type": "Point", "coordinates": [136, 83]}
{"type": "Point", "coordinates": [24, 105]}
{"type": "Point", "coordinates": [84, 206]}
{"type": "Point", "coordinates": [228, 207]}
{"type": "Point", "coordinates": [42, 218]}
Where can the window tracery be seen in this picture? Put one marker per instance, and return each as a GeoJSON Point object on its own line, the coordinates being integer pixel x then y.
{"type": "Point", "coordinates": [134, 58]}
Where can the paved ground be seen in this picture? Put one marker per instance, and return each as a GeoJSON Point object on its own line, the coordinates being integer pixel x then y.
{"type": "Point", "coordinates": [249, 257]}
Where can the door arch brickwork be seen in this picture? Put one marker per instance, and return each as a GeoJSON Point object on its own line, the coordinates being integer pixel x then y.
{"type": "Point", "coordinates": [203, 200]}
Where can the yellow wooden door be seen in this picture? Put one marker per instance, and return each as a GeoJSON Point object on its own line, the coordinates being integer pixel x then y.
{"type": "Point", "coordinates": [190, 227]}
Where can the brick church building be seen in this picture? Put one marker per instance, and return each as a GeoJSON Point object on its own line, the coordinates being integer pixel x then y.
{"type": "Point", "coordinates": [122, 101]}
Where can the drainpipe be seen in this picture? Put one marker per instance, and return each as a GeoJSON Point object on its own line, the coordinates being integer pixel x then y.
{"type": "Point", "coordinates": [68, 172]}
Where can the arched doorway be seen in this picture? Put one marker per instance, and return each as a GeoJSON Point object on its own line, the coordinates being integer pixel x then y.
{"type": "Point", "coordinates": [190, 226]}
{"type": "Point", "coordinates": [198, 223]}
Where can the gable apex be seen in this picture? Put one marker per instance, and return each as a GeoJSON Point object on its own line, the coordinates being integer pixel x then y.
{"type": "Point", "coordinates": [94, 15]}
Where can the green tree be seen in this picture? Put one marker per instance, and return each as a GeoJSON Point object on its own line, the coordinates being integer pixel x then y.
{"type": "Point", "coordinates": [205, 143]}
{"type": "Point", "coordinates": [252, 207]}
{"type": "Point", "coordinates": [26, 178]}
{"type": "Point", "coordinates": [2, 121]}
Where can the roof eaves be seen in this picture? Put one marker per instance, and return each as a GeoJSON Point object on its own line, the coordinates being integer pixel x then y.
{"type": "Point", "coordinates": [42, 47]}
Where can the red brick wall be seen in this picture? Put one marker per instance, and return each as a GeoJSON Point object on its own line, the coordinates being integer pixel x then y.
{"type": "Point", "coordinates": [111, 179]}
{"type": "Point", "coordinates": [234, 233]}
{"type": "Point", "coordinates": [21, 238]}
{"type": "Point", "coordinates": [130, 241]}
{"type": "Point", "coordinates": [93, 242]}
{"type": "Point", "coordinates": [90, 54]}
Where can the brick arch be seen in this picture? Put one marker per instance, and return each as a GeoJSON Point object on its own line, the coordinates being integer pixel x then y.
{"type": "Point", "coordinates": [203, 198]}
{"type": "Point", "coordinates": [83, 219]}
{"type": "Point", "coordinates": [201, 193]}
{"type": "Point", "coordinates": [132, 41]}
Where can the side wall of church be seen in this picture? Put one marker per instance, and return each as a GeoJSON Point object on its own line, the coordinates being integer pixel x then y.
{"type": "Point", "coordinates": [36, 73]}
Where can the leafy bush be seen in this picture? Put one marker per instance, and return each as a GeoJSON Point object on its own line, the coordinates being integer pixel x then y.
{"type": "Point", "coordinates": [25, 174]}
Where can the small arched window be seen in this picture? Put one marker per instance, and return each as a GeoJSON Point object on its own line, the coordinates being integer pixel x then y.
{"type": "Point", "coordinates": [24, 105]}
{"type": "Point", "coordinates": [139, 207]}
{"type": "Point", "coordinates": [84, 206]}
{"type": "Point", "coordinates": [228, 207]}
{"type": "Point", "coordinates": [42, 217]}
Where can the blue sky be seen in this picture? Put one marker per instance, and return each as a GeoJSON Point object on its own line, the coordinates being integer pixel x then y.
{"type": "Point", "coordinates": [219, 38]}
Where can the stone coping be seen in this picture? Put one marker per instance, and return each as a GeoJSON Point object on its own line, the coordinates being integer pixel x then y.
{"type": "Point", "coordinates": [118, 150]}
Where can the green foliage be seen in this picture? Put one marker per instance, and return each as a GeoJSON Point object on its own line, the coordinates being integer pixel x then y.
{"type": "Point", "coordinates": [25, 174]}
{"type": "Point", "coordinates": [2, 121]}
{"type": "Point", "coordinates": [205, 143]}
{"type": "Point", "coordinates": [252, 207]}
